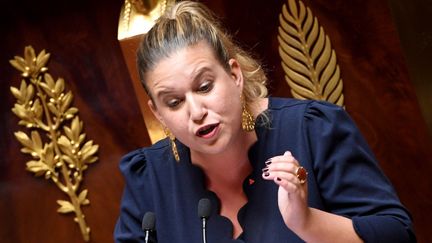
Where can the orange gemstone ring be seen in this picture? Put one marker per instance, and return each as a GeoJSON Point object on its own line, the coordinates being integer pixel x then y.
{"type": "Point", "coordinates": [301, 174]}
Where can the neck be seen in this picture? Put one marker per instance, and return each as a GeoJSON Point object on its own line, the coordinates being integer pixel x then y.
{"type": "Point", "coordinates": [232, 166]}
{"type": "Point", "coordinates": [228, 168]}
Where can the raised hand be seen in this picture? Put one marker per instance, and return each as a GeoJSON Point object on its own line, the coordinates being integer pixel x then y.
{"type": "Point", "coordinates": [286, 172]}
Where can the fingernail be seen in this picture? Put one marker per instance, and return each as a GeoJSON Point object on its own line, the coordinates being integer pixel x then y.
{"type": "Point", "coordinates": [278, 179]}
{"type": "Point", "coordinates": [268, 162]}
{"type": "Point", "coordinates": [266, 174]}
{"type": "Point", "coordinates": [265, 169]}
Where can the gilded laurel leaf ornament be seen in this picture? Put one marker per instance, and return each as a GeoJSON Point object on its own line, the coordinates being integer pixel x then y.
{"type": "Point", "coordinates": [44, 107]}
{"type": "Point", "coordinates": [308, 60]}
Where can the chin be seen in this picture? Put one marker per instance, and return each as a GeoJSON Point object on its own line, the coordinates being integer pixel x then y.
{"type": "Point", "coordinates": [211, 149]}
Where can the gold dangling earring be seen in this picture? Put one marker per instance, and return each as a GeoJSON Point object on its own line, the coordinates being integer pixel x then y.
{"type": "Point", "coordinates": [173, 144]}
{"type": "Point", "coordinates": [248, 122]}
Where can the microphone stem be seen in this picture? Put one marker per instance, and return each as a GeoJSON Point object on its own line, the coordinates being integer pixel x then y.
{"type": "Point", "coordinates": [204, 224]}
{"type": "Point", "coordinates": [146, 239]}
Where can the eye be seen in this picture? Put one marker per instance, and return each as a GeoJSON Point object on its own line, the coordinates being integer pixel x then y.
{"type": "Point", "coordinates": [173, 103]}
{"type": "Point", "coordinates": [205, 87]}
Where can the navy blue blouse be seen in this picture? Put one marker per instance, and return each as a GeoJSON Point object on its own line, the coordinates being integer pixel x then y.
{"type": "Point", "coordinates": [344, 178]}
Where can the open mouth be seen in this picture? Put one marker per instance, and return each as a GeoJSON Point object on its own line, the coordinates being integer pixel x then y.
{"type": "Point", "coordinates": [204, 131]}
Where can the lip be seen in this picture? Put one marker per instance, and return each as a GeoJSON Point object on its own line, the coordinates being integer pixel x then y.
{"type": "Point", "coordinates": [210, 134]}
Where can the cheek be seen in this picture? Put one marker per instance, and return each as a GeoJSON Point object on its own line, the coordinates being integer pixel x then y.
{"type": "Point", "coordinates": [177, 122]}
{"type": "Point", "coordinates": [227, 106]}
{"type": "Point", "coordinates": [173, 120]}
{"type": "Point", "coordinates": [230, 100]}
{"type": "Point", "coordinates": [227, 94]}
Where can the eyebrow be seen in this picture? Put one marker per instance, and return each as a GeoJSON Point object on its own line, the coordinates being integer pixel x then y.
{"type": "Point", "coordinates": [199, 73]}
{"type": "Point", "coordinates": [163, 92]}
{"type": "Point", "coordinates": [196, 75]}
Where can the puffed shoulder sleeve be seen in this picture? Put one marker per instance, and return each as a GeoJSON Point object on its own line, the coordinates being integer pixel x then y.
{"type": "Point", "coordinates": [135, 200]}
{"type": "Point", "coordinates": [349, 178]}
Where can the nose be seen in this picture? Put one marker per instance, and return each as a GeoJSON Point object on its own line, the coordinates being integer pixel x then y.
{"type": "Point", "coordinates": [197, 110]}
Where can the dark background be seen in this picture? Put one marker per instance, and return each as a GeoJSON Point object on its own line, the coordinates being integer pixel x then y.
{"type": "Point", "coordinates": [383, 50]}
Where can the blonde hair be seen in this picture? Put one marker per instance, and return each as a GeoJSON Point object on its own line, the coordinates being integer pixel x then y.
{"type": "Point", "coordinates": [186, 23]}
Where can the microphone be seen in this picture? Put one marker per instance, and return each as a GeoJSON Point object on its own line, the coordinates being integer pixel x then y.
{"type": "Point", "coordinates": [204, 210]}
{"type": "Point", "coordinates": [148, 224]}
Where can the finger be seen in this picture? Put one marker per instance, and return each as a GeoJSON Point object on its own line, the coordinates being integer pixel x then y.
{"type": "Point", "coordinates": [287, 164]}
{"type": "Point", "coordinates": [282, 177]}
{"type": "Point", "coordinates": [287, 153]}
{"type": "Point", "coordinates": [289, 186]}
{"type": "Point", "coordinates": [286, 157]}
{"type": "Point", "coordinates": [286, 180]}
{"type": "Point", "coordinates": [282, 166]}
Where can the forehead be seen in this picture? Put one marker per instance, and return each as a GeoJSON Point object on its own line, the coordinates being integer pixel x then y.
{"type": "Point", "coordinates": [182, 63]}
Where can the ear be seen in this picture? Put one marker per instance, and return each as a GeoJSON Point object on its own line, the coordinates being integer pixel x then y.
{"type": "Point", "coordinates": [155, 111]}
{"type": "Point", "coordinates": [236, 72]}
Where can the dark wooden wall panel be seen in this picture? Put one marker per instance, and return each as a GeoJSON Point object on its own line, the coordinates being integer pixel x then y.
{"type": "Point", "coordinates": [81, 35]}
{"type": "Point", "coordinates": [82, 39]}
{"type": "Point", "coordinates": [412, 19]}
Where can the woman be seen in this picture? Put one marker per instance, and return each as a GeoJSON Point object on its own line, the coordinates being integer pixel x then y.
{"type": "Point", "coordinates": [275, 170]}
